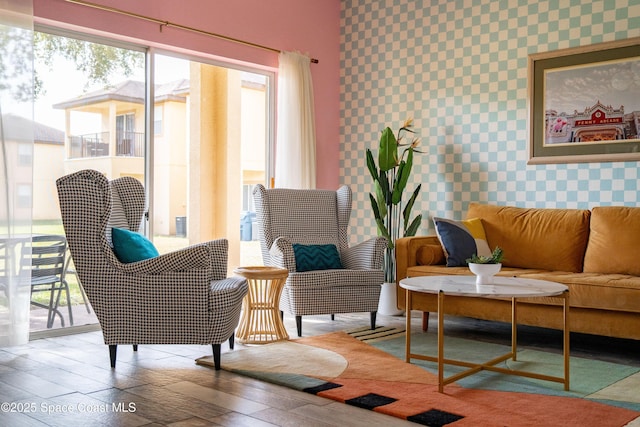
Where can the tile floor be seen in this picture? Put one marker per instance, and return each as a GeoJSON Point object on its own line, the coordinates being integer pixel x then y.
{"type": "Point", "coordinates": [67, 381]}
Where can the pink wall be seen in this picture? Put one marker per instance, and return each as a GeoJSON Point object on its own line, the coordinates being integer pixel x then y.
{"type": "Point", "coordinates": [311, 27]}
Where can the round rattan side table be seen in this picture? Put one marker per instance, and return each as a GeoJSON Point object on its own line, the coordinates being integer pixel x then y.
{"type": "Point", "coordinates": [260, 322]}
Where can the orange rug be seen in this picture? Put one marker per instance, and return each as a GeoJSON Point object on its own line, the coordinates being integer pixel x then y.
{"type": "Point", "coordinates": [342, 368]}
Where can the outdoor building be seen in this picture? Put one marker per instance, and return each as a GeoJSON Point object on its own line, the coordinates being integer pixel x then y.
{"type": "Point", "coordinates": [116, 146]}
{"type": "Point", "coordinates": [594, 124]}
{"type": "Point", "coordinates": [47, 156]}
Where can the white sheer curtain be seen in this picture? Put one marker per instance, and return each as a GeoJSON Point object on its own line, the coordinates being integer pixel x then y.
{"type": "Point", "coordinates": [16, 166]}
{"type": "Point", "coordinates": [296, 140]}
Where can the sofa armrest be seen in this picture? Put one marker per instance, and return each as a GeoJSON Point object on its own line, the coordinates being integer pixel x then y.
{"type": "Point", "coordinates": [417, 250]}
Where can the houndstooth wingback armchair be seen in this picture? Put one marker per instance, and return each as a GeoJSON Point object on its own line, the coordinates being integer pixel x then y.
{"type": "Point", "coordinates": [318, 217]}
{"type": "Point", "coordinates": [182, 297]}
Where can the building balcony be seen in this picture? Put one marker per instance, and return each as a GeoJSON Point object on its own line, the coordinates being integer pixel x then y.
{"type": "Point", "coordinates": [128, 144]}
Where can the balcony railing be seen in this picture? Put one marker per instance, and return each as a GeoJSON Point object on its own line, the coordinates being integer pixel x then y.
{"type": "Point", "coordinates": [128, 144]}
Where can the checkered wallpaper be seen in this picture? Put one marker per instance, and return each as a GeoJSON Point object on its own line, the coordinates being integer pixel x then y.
{"type": "Point", "coordinates": [459, 68]}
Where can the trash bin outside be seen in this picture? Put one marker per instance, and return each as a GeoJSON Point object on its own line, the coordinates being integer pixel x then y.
{"type": "Point", "coordinates": [245, 226]}
{"type": "Point", "coordinates": [181, 226]}
{"type": "Point", "coordinates": [254, 226]}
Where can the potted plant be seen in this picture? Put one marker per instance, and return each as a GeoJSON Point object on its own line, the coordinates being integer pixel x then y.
{"type": "Point", "coordinates": [393, 218]}
{"type": "Point", "coordinates": [485, 267]}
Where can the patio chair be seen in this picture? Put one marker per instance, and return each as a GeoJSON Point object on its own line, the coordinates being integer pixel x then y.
{"type": "Point", "coordinates": [70, 270]}
{"type": "Point", "coordinates": [43, 261]}
{"type": "Point", "coordinates": [182, 297]}
{"type": "Point", "coordinates": [305, 231]}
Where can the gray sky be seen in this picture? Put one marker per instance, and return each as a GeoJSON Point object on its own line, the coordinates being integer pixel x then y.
{"type": "Point", "coordinates": [576, 88]}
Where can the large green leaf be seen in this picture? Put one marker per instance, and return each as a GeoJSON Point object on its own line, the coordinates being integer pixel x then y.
{"type": "Point", "coordinates": [381, 201]}
{"type": "Point", "coordinates": [385, 190]}
{"type": "Point", "coordinates": [413, 228]}
{"type": "Point", "coordinates": [404, 170]}
{"type": "Point", "coordinates": [388, 155]}
{"type": "Point", "coordinates": [384, 233]}
{"type": "Point", "coordinates": [406, 213]}
{"type": "Point", "coordinates": [374, 206]}
{"type": "Point", "coordinates": [371, 165]}
{"type": "Point", "coordinates": [399, 184]}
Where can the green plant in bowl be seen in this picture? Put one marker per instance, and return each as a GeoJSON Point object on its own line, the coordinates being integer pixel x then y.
{"type": "Point", "coordinates": [495, 258]}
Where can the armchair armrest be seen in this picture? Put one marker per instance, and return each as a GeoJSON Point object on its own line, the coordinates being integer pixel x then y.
{"type": "Point", "coordinates": [282, 255]}
{"type": "Point", "coordinates": [223, 290]}
{"type": "Point", "coordinates": [417, 250]}
{"type": "Point", "coordinates": [210, 255]}
{"type": "Point", "coordinates": [365, 255]}
{"type": "Point", "coordinates": [182, 281]}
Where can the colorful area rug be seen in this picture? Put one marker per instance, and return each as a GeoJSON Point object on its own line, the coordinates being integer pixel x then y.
{"type": "Point", "coordinates": [374, 376]}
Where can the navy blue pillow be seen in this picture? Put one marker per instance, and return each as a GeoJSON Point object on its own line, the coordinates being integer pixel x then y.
{"type": "Point", "coordinates": [316, 257]}
{"type": "Point", "coordinates": [461, 240]}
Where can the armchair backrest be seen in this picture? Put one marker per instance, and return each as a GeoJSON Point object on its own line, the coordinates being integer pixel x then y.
{"type": "Point", "coordinates": [303, 216]}
{"type": "Point", "coordinates": [90, 206]}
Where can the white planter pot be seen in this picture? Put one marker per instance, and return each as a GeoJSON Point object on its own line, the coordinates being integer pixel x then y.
{"type": "Point", "coordinates": [484, 272]}
{"type": "Point", "coordinates": [387, 305]}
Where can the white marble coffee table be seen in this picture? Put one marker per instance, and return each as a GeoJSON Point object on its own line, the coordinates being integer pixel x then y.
{"type": "Point", "coordinates": [503, 287]}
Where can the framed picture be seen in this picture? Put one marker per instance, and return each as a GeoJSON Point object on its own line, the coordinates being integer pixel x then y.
{"type": "Point", "coordinates": [584, 104]}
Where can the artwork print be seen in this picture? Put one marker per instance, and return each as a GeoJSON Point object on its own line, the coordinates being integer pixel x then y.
{"type": "Point", "coordinates": [585, 104]}
{"type": "Point", "coordinates": [593, 104]}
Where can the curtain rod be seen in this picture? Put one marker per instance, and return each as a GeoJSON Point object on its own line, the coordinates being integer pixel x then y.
{"type": "Point", "coordinates": [179, 26]}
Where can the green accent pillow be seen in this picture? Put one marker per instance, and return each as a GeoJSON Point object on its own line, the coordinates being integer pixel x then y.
{"type": "Point", "coordinates": [461, 240]}
{"type": "Point", "coordinates": [316, 257]}
{"type": "Point", "coordinates": [130, 246]}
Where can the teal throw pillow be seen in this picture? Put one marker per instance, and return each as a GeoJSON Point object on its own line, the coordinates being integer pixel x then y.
{"type": "Point", "coordinates": [461, 240]}
{"type": "Point", "coordinates": [130, 246]}
{"type": "Point", "coordinates": [316, 257]}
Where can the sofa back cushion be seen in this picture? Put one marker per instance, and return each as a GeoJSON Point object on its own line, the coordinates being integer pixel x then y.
{"type": "Point", "coordinates": [614, 241]}
{"type": "Point", "coordinates": [546, 239]}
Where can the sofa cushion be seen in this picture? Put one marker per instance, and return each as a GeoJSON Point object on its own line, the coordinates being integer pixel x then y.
{"type": "Point", "coordinates": [461, 240]}
{"type": "Point", "coordinates": [547, 239]}
{"type": "Point", "coordinates": [613, 241]}
{"type": "Point", "coordinates": [430, 255]}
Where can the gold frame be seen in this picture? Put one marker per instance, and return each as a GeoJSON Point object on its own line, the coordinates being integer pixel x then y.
{"type": "Point", "coordinates": [538, 64]}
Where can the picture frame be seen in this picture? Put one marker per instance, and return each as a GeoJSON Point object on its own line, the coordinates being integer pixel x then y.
{"type": "Point", "coordinates": [584, 104]}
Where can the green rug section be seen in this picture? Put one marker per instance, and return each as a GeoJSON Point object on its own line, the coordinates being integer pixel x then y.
{"type": "Point", "coordinates": [294, 381]}
{"type": "Point", "coordinates": [587, 377]}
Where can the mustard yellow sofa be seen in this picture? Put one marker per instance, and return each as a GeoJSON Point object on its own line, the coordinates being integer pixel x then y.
{"type": "Point", "coordinates": [596, 253]}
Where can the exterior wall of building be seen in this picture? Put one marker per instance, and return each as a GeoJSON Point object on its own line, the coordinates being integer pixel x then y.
{"type": "Point", "coordinates": [254, 129]}
{"type": "Point", "coordinates": [48, 165]}
{"type": "Point", "coordinates": [170, 168]}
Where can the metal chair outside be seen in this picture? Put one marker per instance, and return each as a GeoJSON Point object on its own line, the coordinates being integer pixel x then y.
{"type": "Point", "coordinates": [44, 256]}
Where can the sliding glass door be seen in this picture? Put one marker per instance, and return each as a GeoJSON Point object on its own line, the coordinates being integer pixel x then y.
{"type": "Point", "coordinates": [211, 144]}
{"type": "Point", "coordinates": [198, 147]}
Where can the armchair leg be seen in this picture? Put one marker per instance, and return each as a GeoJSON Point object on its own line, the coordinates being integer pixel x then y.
{"type": "Point", "coordinates": [216, 356]}
{"type": "Point", "coordinates": [112, 354]}
{"type": "Point", "coordinates": [299, 325]}
{"type": "Point", "coordinates": [333, 317]}
{"type": "Point", "coordinates": [135, 347]}
{"type": "Point", "coordinates": [373, 319]}
{"type": "Point", "coordinates": [232, 340]}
